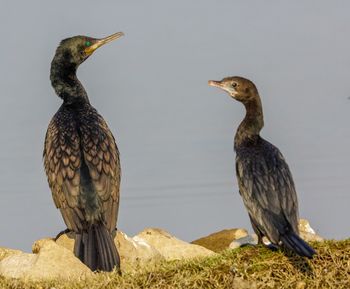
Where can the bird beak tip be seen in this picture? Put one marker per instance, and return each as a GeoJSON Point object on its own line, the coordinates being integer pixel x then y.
{"type": "Point", "coordinates": [103, 41]}
{"type": "Point", "coordinates": [214, 83]}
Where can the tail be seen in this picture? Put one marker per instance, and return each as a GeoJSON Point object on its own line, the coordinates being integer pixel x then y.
{"type": "Point", "coordinates": [294, 243]}
{"type": "Point", "coordinates": [96, 249]}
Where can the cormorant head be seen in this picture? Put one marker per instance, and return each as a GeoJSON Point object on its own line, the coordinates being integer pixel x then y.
{"type": "Point", "coordinates": [75, 50]}
{"type": "Point", "coordinates": [237, 87]}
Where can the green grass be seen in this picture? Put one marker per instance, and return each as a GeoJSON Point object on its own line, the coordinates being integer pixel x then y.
{"type": "Point", "coordinates": [248, 267]}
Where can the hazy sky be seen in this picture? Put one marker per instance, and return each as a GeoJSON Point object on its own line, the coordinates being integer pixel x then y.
{"type": "Point", "coordinates": [175, 133]}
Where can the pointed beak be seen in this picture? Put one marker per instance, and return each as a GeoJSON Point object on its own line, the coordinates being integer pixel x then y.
{"type": "Point", "coordinates": [100, 42]}
{"type": "Point", "coordinates": [215, 83]}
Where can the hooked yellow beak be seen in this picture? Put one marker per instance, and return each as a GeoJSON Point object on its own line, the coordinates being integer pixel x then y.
{"type": "Point", "coordinates": [215, 83]}
{"type": "Point", "coordinates": [99, 42]}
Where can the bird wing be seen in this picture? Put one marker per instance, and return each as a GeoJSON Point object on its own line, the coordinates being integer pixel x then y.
{"type": "Point", "coordinates": [102, 159]}
{"type": "Point", "coordinates": [267, 188]}
{"type": "Point", "coordinates": [62, 162]}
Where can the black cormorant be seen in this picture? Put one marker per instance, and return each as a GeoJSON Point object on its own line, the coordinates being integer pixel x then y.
{"type": "Point", "coordinates": [265, 181]}
{"type": "Point", "coordinates": [81, 159]}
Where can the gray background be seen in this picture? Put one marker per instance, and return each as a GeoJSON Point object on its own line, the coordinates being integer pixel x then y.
{"type": "Point", "coordinates": [175, 133]}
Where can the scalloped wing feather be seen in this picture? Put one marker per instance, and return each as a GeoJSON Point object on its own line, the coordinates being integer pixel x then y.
{"type": "Point", "coordinates": [62, 165]}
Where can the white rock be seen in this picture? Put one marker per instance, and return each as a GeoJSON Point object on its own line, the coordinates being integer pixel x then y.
{"type": "Point", "coordinates": [248, 240]}
{"type": "Point", "coordinates": [5, 252]}
{"type": "Point", "coordinates": [307, 233]}
{"type": "Point", "coordinates": [50, 262]}
{"type": "Point", "coordinates": [169, 246]}
{"type": "Point", "coordinates": [134, 252]}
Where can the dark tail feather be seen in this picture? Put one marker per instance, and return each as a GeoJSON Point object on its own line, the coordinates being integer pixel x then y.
{"type": "Point", "coordinates": [294, 243]}
{"type": "Point", "coordinates": [96, 249]}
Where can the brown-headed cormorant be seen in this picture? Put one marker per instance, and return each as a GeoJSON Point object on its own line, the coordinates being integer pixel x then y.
{"type": "Point", "coordinates": [265, 181]}
{"type": "Point", "coordinates": [82, 160]}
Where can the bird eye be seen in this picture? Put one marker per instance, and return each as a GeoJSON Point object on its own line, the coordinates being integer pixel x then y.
{"type": "Point", "coordinates": [234, 84]}
{"type": "Point", "coordinates": [87, 43]}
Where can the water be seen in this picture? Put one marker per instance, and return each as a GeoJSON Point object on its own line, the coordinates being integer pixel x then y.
{"type": "Point", "coordinates": [175, 133]}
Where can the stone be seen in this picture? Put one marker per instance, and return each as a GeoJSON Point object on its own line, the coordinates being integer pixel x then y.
{"type": "Point", "coordinates": [140, 251]}
{"type": "Point", "coordinates": [247, 240]}
{"type": "Point", "coordinates": [133, 253]}
{"type": "Point", "coordinates": [49, 262]}
{"type": "Point", "coordinates": [66, 241]}
{"type": "Point", "coordinates": [5, 252]}
{"type": "Point", "coordinates": [170, 247]}
{"type": "Point", "coordinates": [221, 240]}
{"type": "Point", "coordinates": [307, 233]}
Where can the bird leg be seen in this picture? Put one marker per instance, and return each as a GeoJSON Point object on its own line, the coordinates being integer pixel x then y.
{"type": "Point", "coordinates": [260, 235]}
{"type": "Point", "coordinates": [257, 231]}
{"type": "Point", "coordinates": [66, 231]}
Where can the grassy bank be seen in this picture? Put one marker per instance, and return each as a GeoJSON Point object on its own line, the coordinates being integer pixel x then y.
{"type": "Point", "coordinates": [249, 267]}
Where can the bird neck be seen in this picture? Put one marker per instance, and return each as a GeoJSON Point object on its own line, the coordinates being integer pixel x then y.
{"type": "Point", "coordinates": [252, 123]}
{"type": "Point", "coordinates": [65, 81]}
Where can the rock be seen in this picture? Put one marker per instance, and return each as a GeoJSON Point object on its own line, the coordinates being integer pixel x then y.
{"type": "Point", "coordinates": [147, 248]}
{"type": "Point", "coordinates": [133, 253]}
{"type": "Point", "coordinates": [169, 246]}
{"type": "Point", "coordinates": [50, 261]}
{"type": "Point", "coordinates": [5, 252]}
{"type": "Point", "coordinates": [247, 240]}
{"type": "Point", "coordinates": [221, 240]}
{"type": "Point", "coordinates": [39, 244]}
{"type": "Point", "coordinates": [17, 266]}
{"type": "Point", "coordinates": [307, 233]}
{"type": "Point", "coordinates": [66, 241]}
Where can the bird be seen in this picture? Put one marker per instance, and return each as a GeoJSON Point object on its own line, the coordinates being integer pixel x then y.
{"type": "Point", "coordinates": [265, 182]}
{"type": "Point", "coordinates": [81, 159]}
